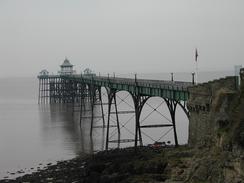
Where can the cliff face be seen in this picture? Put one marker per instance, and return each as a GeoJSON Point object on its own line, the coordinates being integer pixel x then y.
{"type": "Point", "coordinates": [216, 131]}
{"type": "Point", "coordinates": [211, 105]}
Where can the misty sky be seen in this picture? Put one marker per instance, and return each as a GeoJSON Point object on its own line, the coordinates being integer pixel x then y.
{"type": "Point", "coordinates": [124, 36]}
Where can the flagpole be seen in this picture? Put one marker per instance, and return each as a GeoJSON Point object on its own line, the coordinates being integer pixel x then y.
{"type": "Point", "coordinates": [196, 72]}
{"type": "Point", "coordinates": [196, 57]}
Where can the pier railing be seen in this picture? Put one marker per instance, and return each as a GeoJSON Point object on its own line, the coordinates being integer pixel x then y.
{"type": "Point", "coordinates": [175, 90]}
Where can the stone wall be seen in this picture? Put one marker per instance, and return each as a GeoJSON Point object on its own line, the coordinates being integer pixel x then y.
{"type": "Point", "coordinates": [208, 105]}
{"type": "Point", "coordinates": [242, 80]}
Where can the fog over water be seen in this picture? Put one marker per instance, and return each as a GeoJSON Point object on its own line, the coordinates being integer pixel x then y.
{"type": "Point", "coordinates": [120, 35]}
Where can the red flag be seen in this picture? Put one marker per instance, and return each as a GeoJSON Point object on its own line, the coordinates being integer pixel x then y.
{"type": "Point", "coordinates": [196, 55]}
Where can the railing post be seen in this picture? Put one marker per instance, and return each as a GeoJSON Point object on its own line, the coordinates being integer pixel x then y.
{"type": "Point", "coordinates": [136, 85]}
{"type": "Point", "coordinates": [108, 80]}
{"type": "Point", "coordinates": [81, 76]}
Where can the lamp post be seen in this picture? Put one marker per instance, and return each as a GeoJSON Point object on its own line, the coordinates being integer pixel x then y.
{"type": "Point", "coordinates": [172, 76]}
{"type": "Point", "coordinates": [193, 78]}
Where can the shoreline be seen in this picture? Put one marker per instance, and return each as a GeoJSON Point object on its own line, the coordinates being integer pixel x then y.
{"type": "Point", "coordinates": [147, 165]}
{"type": "Point", "coordinates": [12, 176]}
{"type": "Point", "coordinates": [117, 165]}
{"type": "Point", "coordinates": [20, 172]}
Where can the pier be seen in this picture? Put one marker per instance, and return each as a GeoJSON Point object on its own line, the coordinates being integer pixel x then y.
{"type": "Point", "coordinates": [85, 91]}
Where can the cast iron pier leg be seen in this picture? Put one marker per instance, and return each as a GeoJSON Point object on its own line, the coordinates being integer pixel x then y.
{"type": "Point", "coordinates": [110, 98]}
{"type": "Point", "coordinates": [39, 91]}
{"type": "Point", "coordinates": [172, 109]}
{"type": "Point", "coordinates": [117, 119]}
{"type": "Point", "coordinates": [92, 100]}
{"type": "Point", "coordinates": [101, 101]}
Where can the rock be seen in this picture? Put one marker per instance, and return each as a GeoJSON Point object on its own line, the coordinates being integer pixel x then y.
{"type": "Point", "coordinates": [49, 179]}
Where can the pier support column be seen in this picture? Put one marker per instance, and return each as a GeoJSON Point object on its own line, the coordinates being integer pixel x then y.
{"type": "Point", "coordinates": [137, 122]}
{"type": "Point", "coordinates": [172, 109]}
{"type": "Point", "coordinates": [117, 118]}
{"type": "Point", "coordinates": [101, 105]}
{"type": "Point", "coordinates": [82, 94]}
{"type": "Point", "coordinates": [92, 97]}
{"type": "Point", "coordinates": [139, 102]}
{"type": "Point", "coordinates": [39, 91]}
{"type": "Point", "coordinates": [111, 99]}
{"type": "Point", "coordinates": [92, 114]}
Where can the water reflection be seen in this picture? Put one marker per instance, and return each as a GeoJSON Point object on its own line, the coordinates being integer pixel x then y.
{"type": "Point", "coordinates": [60, 125]}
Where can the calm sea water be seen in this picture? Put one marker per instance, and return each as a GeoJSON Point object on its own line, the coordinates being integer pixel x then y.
{"type": "Point", "coordinates": [33, 135]}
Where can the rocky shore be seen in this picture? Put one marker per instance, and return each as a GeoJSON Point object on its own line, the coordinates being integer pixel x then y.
{"type": "Point", "coordinates": [119, 165]}
{"type": "Point", "coordinates": [148, 165]}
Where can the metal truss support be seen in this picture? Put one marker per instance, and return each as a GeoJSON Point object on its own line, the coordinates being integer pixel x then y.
{"type": "Point", "coordinates": [137, 120]}
{"type": "Point", "coordinates": [73, 96]}
{"type": "Point", "coordinates": [96, 99]}
{"type": "Point", "coordinates": [172, 104]}
{"type": "Point", "coordinates": [39, 91]}
{"type": "Point", "coordinates": [139, 102]}
{"type": "Point", "coordinates": [44, 90]}
{"type": "Point", "coordinates": [111, 99]}
{"type": "Point", "coordinates": [101, 105]}
{"type": "Point", "coordinates": [92, 101]}
{"type": "Point", "coordinates": [184, 108]}
{"type": "Point", "coordinates": [82, 102]}
{"type": "Point", "coordinates": [117, 117]}
{"type": "Point", "coordinates": [88, 94]}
